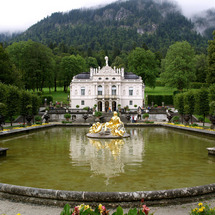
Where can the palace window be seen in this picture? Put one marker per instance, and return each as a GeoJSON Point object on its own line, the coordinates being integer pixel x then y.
{"type": "Point", "coordinates": [113, 90]}
{"type": "Point", "coordinates": [130, 102]}
{"type": "Point", "coordinates": [130, 91]}
{"type": "Point", "coordinates": [82, 102]}
{"type": "Point", "coordinates": [100, 90]}
{"type": "Point", "coordinates": [82, 91]}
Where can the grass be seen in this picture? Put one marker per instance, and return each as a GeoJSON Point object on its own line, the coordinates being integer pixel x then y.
{"type": "Point", "coordinates": [159, 91]}
{"type": "Point", "coordinates": [207, 120]}
{"type": "Point", "coordinates": [59, 96]}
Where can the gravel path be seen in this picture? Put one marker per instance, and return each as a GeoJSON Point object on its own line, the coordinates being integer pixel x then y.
{"type": "Point", "coordinates": [13, 208]}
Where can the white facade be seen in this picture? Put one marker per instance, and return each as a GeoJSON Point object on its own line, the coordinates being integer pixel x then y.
{"type": "Point", "coordinates": [106, 88]}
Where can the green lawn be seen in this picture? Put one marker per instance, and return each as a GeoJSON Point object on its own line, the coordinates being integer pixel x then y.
{"type": "Point", "coordinates": [61, 96]}
{"type": "Point", "coordinates": [159, 91]}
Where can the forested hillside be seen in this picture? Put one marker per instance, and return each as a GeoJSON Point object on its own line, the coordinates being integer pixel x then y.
{"type": "Point", "coordinates": [122, 25]}
{"type": "Point", "coordinates": [205, 23]}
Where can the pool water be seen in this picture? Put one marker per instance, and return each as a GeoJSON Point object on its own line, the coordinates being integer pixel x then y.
{"type": "Point", "coordinates": [151, 159]}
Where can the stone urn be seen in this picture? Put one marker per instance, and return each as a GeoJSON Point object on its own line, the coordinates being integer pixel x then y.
{"type": "Point", "coordinates": [212, 119]}
{"type": "Point", "coordinates": [1, 122]}
{"type": "Point", "coordinates": [128, 117]}
{"type": "Point", "coordinates": [186, 119]}
{"type": "Point", "coordinates": [169, 117]}
{"type": "Point", "coordinates": [46, 117]}
{"type": "Point", "coordinates": [85, 117]}
{"type": "Point", "coordinates": [29, 118]}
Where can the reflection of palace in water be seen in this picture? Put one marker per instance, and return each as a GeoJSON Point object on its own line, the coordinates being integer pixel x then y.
{"type": "Point", "coordinates": [107, 157]}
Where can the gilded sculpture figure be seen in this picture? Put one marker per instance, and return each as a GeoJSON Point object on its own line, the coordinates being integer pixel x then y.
{"type": "Point", "coordinates": [115, 126]}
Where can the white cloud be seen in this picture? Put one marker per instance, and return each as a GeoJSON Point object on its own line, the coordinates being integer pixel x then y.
{"type": "Point", "coordinates": [190, 7]}
{"type": "Point", "coordinates": [21, 14]}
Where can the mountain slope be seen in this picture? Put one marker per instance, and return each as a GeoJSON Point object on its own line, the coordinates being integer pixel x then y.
{"type": "Point", "coordinates": [122, 25]}
{"type": "Point", "coordinates": [205, 23]}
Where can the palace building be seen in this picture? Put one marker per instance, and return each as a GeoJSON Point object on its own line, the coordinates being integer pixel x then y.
{"type": "Point", "coordinates": [107, 88]}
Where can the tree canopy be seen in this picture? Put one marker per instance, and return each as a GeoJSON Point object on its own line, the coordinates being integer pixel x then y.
{"type": "Point", "coordinates": [211, 61]}
{"type": "Point", "coordinates": [179, 66]}
{"type": "Point", "coordinates": [35, 63]}
{"type": "Point", "coordinates": [143, 63]}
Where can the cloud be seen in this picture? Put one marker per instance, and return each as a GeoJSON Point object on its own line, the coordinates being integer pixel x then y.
{"type": "Point", "coordinates": [190, 7]}
{"type": "Point", "coordinates": [19, 15]}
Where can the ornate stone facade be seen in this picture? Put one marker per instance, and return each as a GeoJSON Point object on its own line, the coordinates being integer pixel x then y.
{"type": "Point", "coordinates": [107, 88]}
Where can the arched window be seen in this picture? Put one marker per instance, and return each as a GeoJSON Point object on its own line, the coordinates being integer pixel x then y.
{"type": "Point", "coordinates": [113, 90]}
{"type": "Point", "coordinates": [82, 91]}
{"type": "Point", "coordinates": [100, 90]}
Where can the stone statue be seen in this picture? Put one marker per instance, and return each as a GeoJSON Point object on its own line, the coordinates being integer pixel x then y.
{"type": "Point", "coordinates": [106, 59]}
{"type": "Point", "coordinates": [115, 127]}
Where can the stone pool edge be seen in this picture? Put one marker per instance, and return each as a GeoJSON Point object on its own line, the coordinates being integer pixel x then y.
{"type": "Point", "coordinates": [109, 199]}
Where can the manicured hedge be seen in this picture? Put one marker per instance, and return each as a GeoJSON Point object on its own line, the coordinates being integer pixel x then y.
{"type": "Point", "coordinates": [158, 99]}
{"type": "Point", "coordinates": [49, 99]}
{"type": "Point", "coordinates": [198, 85]}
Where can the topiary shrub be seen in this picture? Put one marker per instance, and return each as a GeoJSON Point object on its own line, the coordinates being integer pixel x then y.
{"type": "Point", "coordinates": [145, 115]}
{"type": "Point", "coordinates": [175, 119]}
{"type": "Point", "coordinates": [67, 116]}
{"type": "Point", "coordinates": [98, 114]}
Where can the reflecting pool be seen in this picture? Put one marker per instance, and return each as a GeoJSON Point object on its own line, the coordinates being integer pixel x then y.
{"type": "Point", "coordinates": [153, 158]}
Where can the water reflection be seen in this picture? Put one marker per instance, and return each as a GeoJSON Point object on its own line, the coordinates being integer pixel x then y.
{"type": "Point", "coordinates": [114, 145]}
{"type": "Point", "coordinates": [151, 159]}
{"type": "Point", "coordinates": [107, 157]}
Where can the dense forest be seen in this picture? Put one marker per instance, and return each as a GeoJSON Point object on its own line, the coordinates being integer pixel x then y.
{"type": "Point", "coordinates": [58, 47]}
{"type": "Point", "coordinates": [122, 25]}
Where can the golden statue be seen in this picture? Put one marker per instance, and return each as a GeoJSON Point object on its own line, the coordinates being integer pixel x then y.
{"type": "Point", "coordinates": [115, 126]}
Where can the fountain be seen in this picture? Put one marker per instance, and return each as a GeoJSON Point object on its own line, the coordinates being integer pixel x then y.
{"type": "Point", "coordinates": [114, 129]}
{"type": "Point", "coordinates": [157, 163]}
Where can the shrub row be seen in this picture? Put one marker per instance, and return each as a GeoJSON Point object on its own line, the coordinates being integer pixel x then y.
{"type": "Point", "coordinates": [158, 99]}
{"type": "Point", "coordinates": [14, 101]}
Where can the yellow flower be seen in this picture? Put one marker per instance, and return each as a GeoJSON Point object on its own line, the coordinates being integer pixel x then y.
{"type": "Point", "coordinates": [18, 214]}
{"type": "Point", "coordinates": [100, 207]}
{"type": "Point", "coordinates": [200, 204]}
{"type": "Point", "coordinates": [86, 207]}
{"type": "Point", "coordinates": [200, 209]}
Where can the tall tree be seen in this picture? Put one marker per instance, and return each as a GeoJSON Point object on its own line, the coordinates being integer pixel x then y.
{"type": "Point", "coordinates": [143, 63]}
{"type": "Point", "coordinates": [189, 102]}
{"type": "Point", "coordinates": [13, 102]}
{"type": "Point", "coordinates": [202, 102]}
{"type": "Point", "coordinates": [201, 66]}
{"type": "Point", "coordinates": [25, 103]}
{"type": "Point", "coordinates": [7, 71]}
{"type": "Point", "coordinates": [179, 66]}
{"type": "Point", "coordinates": [71, 66]}
{"type": "Point", "coordinates": [211, 61]}
{"type": "Point", "coordinates": [179, 104]}
{"type": "Point", "coordinates": [35, 61]}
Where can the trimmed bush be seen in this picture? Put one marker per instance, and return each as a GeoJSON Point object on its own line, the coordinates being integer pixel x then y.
{"type": "Point", "coordinates": [158, 99]}
{"type": "Point", "coordinates": [175, 119]}
{"type": "Point", "coordinates": [49, 99]}
{"type": "Point", "coordinates": [198, 85]}
{"type": "Point", "coordinates": [145, 115]}
{"type": "Point", "coordinates": [98, 113]}
{"type": "Point", "coordinates": [67, 116]}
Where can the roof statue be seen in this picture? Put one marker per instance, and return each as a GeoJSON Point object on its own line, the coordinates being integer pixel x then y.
{"type": "Point", "coordinates": [106, 60]}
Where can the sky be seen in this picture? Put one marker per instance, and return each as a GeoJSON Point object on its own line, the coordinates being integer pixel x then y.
{"type": "Point", "coordinates": [18, 15]}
